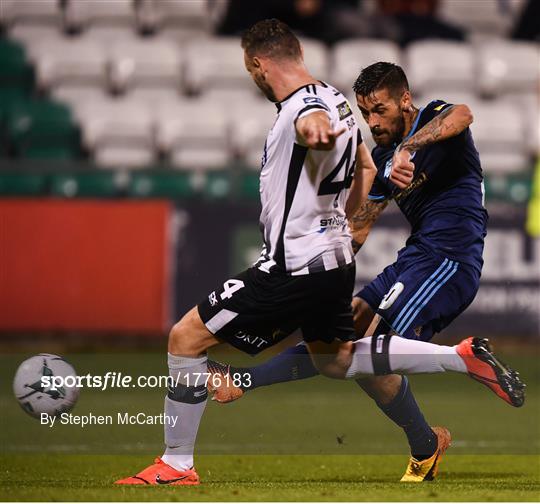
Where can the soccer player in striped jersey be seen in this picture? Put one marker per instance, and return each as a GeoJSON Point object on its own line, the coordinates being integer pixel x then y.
{"type": "Point", "coordinates": [305, 277]}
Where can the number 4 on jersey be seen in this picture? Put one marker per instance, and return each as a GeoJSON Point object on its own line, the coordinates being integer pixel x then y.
{"type": "Point", "coordinates": [328, 185]}
{"type": "Point", "coordinates": [230, 287]}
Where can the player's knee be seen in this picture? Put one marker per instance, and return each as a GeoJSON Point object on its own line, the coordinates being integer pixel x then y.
{"type": "Point", "coordinates": [183, 338]}
{"type": "Point", "coordinates": [362, 316]}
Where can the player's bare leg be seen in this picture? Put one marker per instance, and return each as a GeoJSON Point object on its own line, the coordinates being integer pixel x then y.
{"type": "Point", "coordinates": [189, 340]}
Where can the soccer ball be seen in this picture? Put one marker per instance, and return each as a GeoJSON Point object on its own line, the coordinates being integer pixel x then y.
{"type": "Point", "coordinates": [37, 395]}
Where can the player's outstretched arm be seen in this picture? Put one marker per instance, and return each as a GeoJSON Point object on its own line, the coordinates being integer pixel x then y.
{"type": "Point", "coordinates": [362, 221]}
{"type": "Point", "coordinates": [316, 132]}
{"type": "Point", "coordinates": [364, 174]}
{"type": "Point", "coordinates": [449, 123]}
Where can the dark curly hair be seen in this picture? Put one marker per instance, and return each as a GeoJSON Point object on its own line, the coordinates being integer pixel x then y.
{"type": "Point", "coordinates": [381, 75]}
{"type": "Point", "coordinates": [271, 38]}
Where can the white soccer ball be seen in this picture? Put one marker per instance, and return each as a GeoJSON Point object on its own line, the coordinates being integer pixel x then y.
{"type": "Point", "coordinates": [36, 391]}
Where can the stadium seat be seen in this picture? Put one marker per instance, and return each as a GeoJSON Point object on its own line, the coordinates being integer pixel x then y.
{"type": "Point", "coordinates": [350, 56]}
{"type": "Point", "coordinates": [145, 63]}
{"type": "Point", "coordinates": [194, 134]}
{"type": "Point", "coordinates": [528, 104]}
{"type": "Point", "coordinates": [156, 183]}
{"type": "Point", "coordinates": [177, 13]}
{"type": "Point", "coordinates": [157, 98]}
{"type": "Point", "coordinates": [250, 126]}
{"type": "Point", "coordinates": [508, 67]}
{"type": "Point", "coordinates": [216, 63]}
{"type": "Point", "coordinates": [92, 183]}
{"type": "Point", "coordinates": [119, 133]}
{"type": "Point", "coordinates": [441, 64]}
{"type": "Point", "coordinates": [30, 11]}
{"type": "Point", "coordinates": [218, 185]}
{"type": "Point", "coordinates": [81, 13]}
{"type": "Point", "coordinates": [22, 183]}
{"type": "Point", "coordinates": [16, 75]}
{"type": "Point", "coordinates": [249, 185]}
{"type": "Point", "coordinates": [316, 58]}
{"type": "Point", "coordinates": [78, 97]}
{"type": "Point", "coordinates": [498, 133]}
{"type": "Point", "coordinates": [42, 129]}
{"type": "Point", "coordinates": [31, 37]}
{"type": "Point", "coordinates": [481, 16]}
{"type": "Point", "coordinates": [79, 62]}
{"type": "Point", "coordinates": [446, 95]}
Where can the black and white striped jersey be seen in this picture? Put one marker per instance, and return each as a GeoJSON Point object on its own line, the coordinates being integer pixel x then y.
{"type": "Point", "coordinates": [304, 191]}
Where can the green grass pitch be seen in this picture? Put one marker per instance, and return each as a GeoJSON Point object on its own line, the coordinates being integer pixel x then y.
{"type": "Point", "coordinates": [277, 444]}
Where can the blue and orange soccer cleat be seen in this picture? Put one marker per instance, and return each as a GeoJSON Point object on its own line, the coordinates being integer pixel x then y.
{"type": "Point", "coordinates": [427, 469]}
{"type": "Point", "coordinates": [484, 367]}
{"type": "Point", "coordinates": [220, 385]}
{"type": "Point", "coordinates": [160, 473]}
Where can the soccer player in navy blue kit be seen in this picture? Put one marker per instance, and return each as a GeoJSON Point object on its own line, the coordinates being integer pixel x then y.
{"type": "Point", "coordinates": [436, 275]}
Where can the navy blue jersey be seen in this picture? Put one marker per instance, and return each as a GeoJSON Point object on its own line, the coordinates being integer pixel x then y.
{"type": "Point", "coordinates": [444, 203]}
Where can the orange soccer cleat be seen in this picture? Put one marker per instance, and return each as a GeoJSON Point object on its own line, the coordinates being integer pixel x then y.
{"type": "Point", "coordinates": [484, 367]}
{"type": "Point", "coordinates": [160, 473]}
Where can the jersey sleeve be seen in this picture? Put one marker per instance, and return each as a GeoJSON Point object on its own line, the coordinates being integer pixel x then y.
{"type": "Point", "coordinates": [435, 107]}
{"type": "Point", "coordinates": [307, 104]}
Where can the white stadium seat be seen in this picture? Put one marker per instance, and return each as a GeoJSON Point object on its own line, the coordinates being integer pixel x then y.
{"type": "Point", "coordinates": [485, 16]}
{"type": "Point", "coordinates": [194, 134]}
{"type": "Point", "coordinates": [182, 13]}
{"type": "Point", "coordinates": [156, 97]}
{"type": "Point", "coordinates": [32, 37]}
{"type": "Point", "coordinates": [118, 132]}
{"type": "Point", "coordinates": [498, 133]}
{"type": "Point", "coordinates": [80, 13]}
{"type": "Point", "coordinates": [250, 126]}
{"type": "Point", "coordinates": [78, 97]}
{"type": "Point", "coordinates": [350, 56]}
{"type": "Point", "coordinates": [444, 65]}
{"type": "Point", "coordinates": [78, 62]}
{"type": "Point", "coordinates": [147, 63]}
{"type": "Point", "coordinates": [508, 67]}
{"type": "Point", "coordinates": [446, 95]}
{"type": "Point", "coordinates": [216, 63]}
{"type": "Point", "coordinates": [30, 11]}
{"type": "Point", "coordinates": [316, 58]}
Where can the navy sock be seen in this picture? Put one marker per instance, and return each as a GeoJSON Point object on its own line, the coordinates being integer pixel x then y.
{"type": "Point", "coordinates": [404, 411]}
{"type": "Point", "coordinates": [292, 364]}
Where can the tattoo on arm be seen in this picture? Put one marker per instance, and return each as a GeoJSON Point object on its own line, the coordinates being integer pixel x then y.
{"type": "Point", "coordinates": [439, 128]}
{"type": "Point", "coordinates": [367, 214]}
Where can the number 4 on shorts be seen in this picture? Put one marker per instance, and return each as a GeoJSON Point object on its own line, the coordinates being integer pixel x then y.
{"type": "Point", "coordinates": [230, 287]}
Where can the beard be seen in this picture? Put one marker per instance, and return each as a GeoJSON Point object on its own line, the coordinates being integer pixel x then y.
{"type": "Point", "coordinates": [388, 137]}
{"type": "Point", "coordinates": [265, 88]}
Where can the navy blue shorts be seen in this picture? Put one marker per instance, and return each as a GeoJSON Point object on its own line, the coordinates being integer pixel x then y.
{"type": "Point", "coordinates": [422, 292]}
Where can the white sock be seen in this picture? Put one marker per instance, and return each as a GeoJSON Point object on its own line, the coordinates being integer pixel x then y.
{"type": "Point", "coordinates": [185, 404]}
{"type": "Point", "coordinates": [404, 356]}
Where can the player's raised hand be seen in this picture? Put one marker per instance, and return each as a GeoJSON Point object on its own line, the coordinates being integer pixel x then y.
{"type": "Point", "coordinates": [317, 132]}
{"type": "Point", "coordinates": [402, 171]}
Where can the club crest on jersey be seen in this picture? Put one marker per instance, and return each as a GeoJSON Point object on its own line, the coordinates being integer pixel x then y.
{"type": "Point", "coordinates": [344, 110]}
